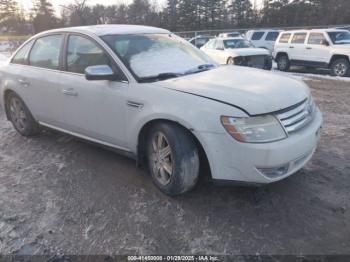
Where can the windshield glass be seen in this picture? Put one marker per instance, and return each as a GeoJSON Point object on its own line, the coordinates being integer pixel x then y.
{"type": "Point", "coordinates": [339, 38]}
{"type": "Point", "coordinates": [237, 43]}
{"type": "Point", "coordinates": [150, 55]}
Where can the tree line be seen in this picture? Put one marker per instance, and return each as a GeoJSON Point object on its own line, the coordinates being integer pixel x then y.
{"type": "Point", "coordinates": [176, 15]}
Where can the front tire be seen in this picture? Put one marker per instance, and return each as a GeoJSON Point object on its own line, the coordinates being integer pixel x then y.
{"type": "Point", "coordinates": [20, 116]}
{"type": "Point", "coordinates": [173, 159]}
{"type": "Point", "coordinates": [340, 67]}
{"type": "Point", "coordinates": [283, 63]}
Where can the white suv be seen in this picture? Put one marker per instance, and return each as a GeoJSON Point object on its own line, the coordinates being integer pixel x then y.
{"type": "Point", "coordinates": [321, 48]}
{"type": "Point", "coordinates": [263, 38]}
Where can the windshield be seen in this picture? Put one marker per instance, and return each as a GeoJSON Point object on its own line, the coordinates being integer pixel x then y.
{"type": "Point", "coordinates": [339, 38]}
{"type": "Point", "coordinates": [151, 55]}
{"type": "Point", "coordinates": [237, 43]}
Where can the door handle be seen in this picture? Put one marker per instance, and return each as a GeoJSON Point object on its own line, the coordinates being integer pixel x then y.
{"type": "Point", "coordinates": [23, 82]}
{"type": "Point", "coordinates": [291, 47]}
{"type": "Point", "coordinates": [308, 48]}
{"type": "Point", "coordinates": [69, 92]}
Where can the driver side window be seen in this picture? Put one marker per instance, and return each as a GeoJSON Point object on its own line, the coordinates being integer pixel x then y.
{"type": "Point", "coordinates": [82, 53]}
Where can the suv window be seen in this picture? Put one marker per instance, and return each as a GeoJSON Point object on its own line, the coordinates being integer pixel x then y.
{"type": "Point", "coordinates": [46, 52]}
{"type": "Point", "coordinates": [299, 38]}
{"type": "Point", "coordinates": [83, 53]}
{"type": "Point", "coordinates": [272, 36]}
{"type": "Point", "coordinates": [21, 57]}
{"type": "Point", "coordinates": [285, 38]}
{"type": "Point", "coordinates": [257, 36]}
{"type": "Point", "coordinates": [316, 39]}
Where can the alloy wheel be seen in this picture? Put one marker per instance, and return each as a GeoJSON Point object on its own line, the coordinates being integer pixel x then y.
{"type": "Point", "coordinates": [162, 159]}
{"type": "Point", "coordinates": [340, 69]}
{"type": "Point", "coordinates": [17, 113]}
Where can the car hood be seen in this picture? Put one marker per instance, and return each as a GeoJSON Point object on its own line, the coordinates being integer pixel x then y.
{"type": "Point", "coordinates": [343, 47]}
{"type": "Point", "coordinates": [248, 51]}
{"type": "Point", "coordinates": [253, 90]}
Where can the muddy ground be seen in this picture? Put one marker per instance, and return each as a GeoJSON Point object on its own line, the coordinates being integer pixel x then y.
{"type": "Point", "coordinates": [59, 195]}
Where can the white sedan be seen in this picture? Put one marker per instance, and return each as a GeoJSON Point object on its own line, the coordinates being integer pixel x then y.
{"type": "Point", "coordinates": [238, 51]}
{"type": "Point", "coordinates": [152, 96]}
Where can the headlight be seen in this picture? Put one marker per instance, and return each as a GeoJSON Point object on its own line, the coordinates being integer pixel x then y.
{"type": "Point", "coordinates": [260, 129]}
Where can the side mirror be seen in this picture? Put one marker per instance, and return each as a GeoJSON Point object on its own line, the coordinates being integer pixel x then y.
{"type": "Point", "coordinates": [325, 42]}
{"type": "Point", "coordinates": [100, 72]}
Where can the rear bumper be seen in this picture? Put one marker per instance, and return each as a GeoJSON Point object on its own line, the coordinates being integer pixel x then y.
{"type": "Point", "coordinates": [233, 161]}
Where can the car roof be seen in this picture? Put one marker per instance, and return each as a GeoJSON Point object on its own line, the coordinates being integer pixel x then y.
{"type": "Point", "coordinates": [112, 29]}
{"type": "Point", "coordinates": [227, 33]}
{"type": "Point", "coordinates": [230, 38]}
{"type": "Point", "coordinates": [316, 30]}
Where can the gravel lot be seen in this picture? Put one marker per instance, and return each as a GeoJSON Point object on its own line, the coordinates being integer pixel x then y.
{"type": "Point", "coordinates": [59, 195]}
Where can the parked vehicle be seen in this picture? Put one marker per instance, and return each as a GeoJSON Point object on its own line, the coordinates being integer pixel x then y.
{"type": "Point", "coordinates": [152, 96]}
{"type": "Point", "coordinates": [200, 40]}
{"type": "Point", "coordinates": [237, 51]}
{"type": "Point", "coordinates": [231, 34]}
{"type": "Point", "coordinates": [321, 48]}
{"type": "Point", "coordinates": [263, 38]}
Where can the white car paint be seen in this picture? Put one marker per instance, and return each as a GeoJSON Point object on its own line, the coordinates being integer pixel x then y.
{"type": "Point", "coordinates": [263, 41]}
{"type": "Point", "coordinates": [104, 111]}
{"type": "Point", "coordinates": [221, 56]}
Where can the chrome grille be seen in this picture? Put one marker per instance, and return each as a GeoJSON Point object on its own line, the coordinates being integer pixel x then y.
{"type": "Point", "coordinates": [298, 116]}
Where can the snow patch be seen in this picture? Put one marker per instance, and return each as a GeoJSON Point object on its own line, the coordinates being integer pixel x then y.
{"type": "Point", "coordinates": [309, 76]}
{"type": "Point", "coordinates": [163, 60]}
{"type": "Point", "coordinates": [3, 58]}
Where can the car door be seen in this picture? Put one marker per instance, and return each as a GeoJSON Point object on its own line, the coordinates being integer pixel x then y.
{"type": "Point", "coordinates": [94, 109]}
{"type": "Point", "coordinates": [297, 50]}
{"type": "Point", "coordinates": [316, 49]}
{"type": "Point", "coordinates": [37, 78]}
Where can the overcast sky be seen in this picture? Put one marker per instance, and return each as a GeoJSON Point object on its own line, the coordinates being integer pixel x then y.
{"type": "Point", "coordinates": [27, 4]}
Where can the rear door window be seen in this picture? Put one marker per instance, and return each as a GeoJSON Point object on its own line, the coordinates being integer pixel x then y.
{"type": "Point", "coordinates": [299, 38]}
{"type": "Point", "coordinates": [21, 57]}
{"type": "Point", "coordinates": [257, 36]}
{"type": "Point", "coordinates": [46, 52]}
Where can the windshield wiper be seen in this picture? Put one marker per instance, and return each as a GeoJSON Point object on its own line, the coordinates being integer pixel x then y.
{"type": "Point", "coordinates": [200, 68]}
{"type": "Point", "coordinates": [162, 76]}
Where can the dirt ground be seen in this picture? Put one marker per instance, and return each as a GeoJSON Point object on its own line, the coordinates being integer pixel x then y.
{"type": "Point", "coordinates": [59, 195]}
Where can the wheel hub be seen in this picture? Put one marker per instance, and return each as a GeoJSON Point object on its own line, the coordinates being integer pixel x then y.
{"type": "Point", "coordinates": [162, 159]}
{"type": "Point", "coordinates": [18, 114]}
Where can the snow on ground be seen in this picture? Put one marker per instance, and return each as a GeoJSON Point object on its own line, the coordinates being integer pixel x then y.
{"type": "Point", "coordinates": [3, 58]}
{"type": "Point", "coordinates": [304, 74]}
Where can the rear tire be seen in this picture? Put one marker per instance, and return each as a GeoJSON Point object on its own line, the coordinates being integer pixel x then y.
{"type": "Point", "coordinates": [283, 63]}
{"type": "Point", "coordinates": [340, 67]}
{"type": "Point", "coordinates": [173, 159]}
{"type": "Point", "coordinates": [20, 116]}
